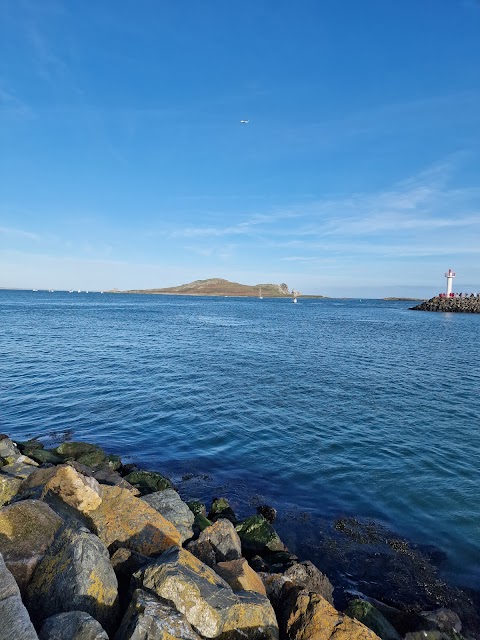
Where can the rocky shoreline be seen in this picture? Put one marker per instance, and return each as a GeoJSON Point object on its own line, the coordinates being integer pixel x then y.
{"type": "Point", "coordinates": [92, 549]}
{"type": "Point", "coordinates": [456, 304]}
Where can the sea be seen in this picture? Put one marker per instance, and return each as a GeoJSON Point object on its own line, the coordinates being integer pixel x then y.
{"type": "Point", "coordinates": [324, 409]}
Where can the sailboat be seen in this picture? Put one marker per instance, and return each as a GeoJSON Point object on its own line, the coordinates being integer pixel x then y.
{"type": "Point", "coordinates": [294, 297]}
{"type": "Point", "coordinates": [260, 297]}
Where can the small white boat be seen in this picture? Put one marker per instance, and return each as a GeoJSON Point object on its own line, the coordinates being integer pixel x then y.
{"type": "Point", "coordinates": [294, 300]}
{"type": "Point", "coordinates": [260, 297]}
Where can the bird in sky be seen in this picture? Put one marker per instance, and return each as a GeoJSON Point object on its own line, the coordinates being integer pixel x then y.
{"type": "Point", "coordinates": [244, 121]}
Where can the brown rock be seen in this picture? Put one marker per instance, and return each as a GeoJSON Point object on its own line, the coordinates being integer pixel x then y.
{"type": "Point", "coordinates": [122, 520]}
{"type": "Point", "coordinates": [80, 492]}
{"type": "Point", "coordinates": [251, 618]}
{"type": "Point", "coordinates": [240, 576]}
{"type": "Point", "coordinates": [311, 617]}
{"type": "Point", "coordinates": [219, 538]}
{"type": "Point", "coordinates": [307, 575]}
{"type": "Point", "coordinates": [27, 529]}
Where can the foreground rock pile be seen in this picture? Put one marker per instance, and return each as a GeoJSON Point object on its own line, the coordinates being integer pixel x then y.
{"type": "Point", "coordinates": [91, 549]}
{"type": "Point", "coordinates": [470, 304]}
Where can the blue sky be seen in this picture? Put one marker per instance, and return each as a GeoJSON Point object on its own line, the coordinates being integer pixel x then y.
{"type": "Point", "coordinates": [123, 162]}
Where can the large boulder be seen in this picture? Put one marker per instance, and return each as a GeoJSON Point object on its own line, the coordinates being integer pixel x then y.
{"type": "Point", "coordinates": [366, 613]}
{"type": "Point", "coordinates": [148, 481]}
{"type": "Point", "coordinates": [217, 543]}
{"type": "Point", "coordinates": [74, 574]}
{"type": "Point", "coordinates": [258, 536]}
{"type": "Point", "coordinates": [240, 576]}
{"type": "Point", "coordinates": [9, 487]}
{"type": "Point", "coordinates": [251, 618]}
{"type": "Point", "coordinates": [27, 529]}
{"type": "Point", "coordinates": [122, 520]}
{"type": "Point", "coordinates": [441, 620]}
{"type": "Point", "coordinates": [73, 625]}
{"type": "Point", "coordinates": [79, 492]}
{"type": "Point", "coordinates": [75, 450]}
{"type": "Point", "coordinates": [43, 456]}
{"type": "Point", "coordinates": [205, 599]}
{"type": "Point", "coordinates": [195, 589]}
{"type": "Point", "coordinates": [171, 506]}
{"type": "Point", "coordinates": [104, 475]}
{"type": "Point", "coordinates": [307, 575]}
{"type": "Point", "coordinates": [147, 618]}
{"type": "Point", "coordinates": [15, 622]}
{"type": "Point", "coordinates": [309, 616]}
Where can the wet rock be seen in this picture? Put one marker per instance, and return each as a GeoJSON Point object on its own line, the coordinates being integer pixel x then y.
{"type": "Point", "coordinates": [309, 616]}
{"type": "Point", "coordinates": [114, 462]}
{"type": "Point", "coordinates": [280, 561]}
{"type": "Point", "coordinates": [441, 620]}
{"type": "Point", "coordinates": [43, 456]}
{"type": "Point", "coordinates": [197, 508]}
{"type": "Point", "coordinates": [221, 509]}
{"type": "Point", "coordinates": [240, 576]}
{"type": "Point", "coordinates": [221, 538]}
{"type": "Point", "coordinates": [74, 450]}
{"type": "Point", "coordinates": [80, 492]}
{"type": "Point", "coordinates": [258, 564]}
{"type": "Point", "coordinates": [148, 618]}
{"type": "Point", "coordinates": [9, 487]}
{"type": "Point", "coordinates": [366, 613]}
{"type": "Point", "coordinates": [195, 589]}
{"type": "Point", "coordinates": [27, 529]}
{"type": "Point", "coordinates": [269, 513]}
{"type": "Point", "coordinates": [306, 575]}
{"type": "Point", "coordinates": [148, 481]}
{"type": "Point", "coordinates": [14, 618]}
{"type": "Point", "coordinates": [8, 448]}
{"type": "Point", "coordinates": [122, 520]}
{"type": "Point", "coordinates": [258, 536]}
{"type": "Point", "coordinates": [74, 574]}
{"type": "Point", "coordinates": [170, 505]}
{"type": "Point", "coordinates": [200, 524]}
{"type": "Point", "coordinates": [32, 444]}
{"type": "Point", "coordinates": [74, 625]}
{"type": "Point", "coordinates": [93, 459]}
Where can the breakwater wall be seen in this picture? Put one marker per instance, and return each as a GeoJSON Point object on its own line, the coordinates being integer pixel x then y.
{"type": "Point", "coordinates": [456, 304]}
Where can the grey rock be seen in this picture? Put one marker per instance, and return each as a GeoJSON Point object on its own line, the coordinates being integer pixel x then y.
{"type": "Point", "coordinates": [74, 574]}
{"type": "Point", "coordinates": [219, 538]}
{"type": "Point", "coordinates": [442, 620]}
{"type": "Point", "coordinates": [195, 589]}
{"type": "Point", "coordinates": [73, 625]}
{"type": "Point", "coordinates": [308, 576]}
{"type": "Point", "coordinates": [8, 448]}
{"type": "Point", "coordinates": [19, 469]}
{"type": "Point", "coordinates": [172, 507]}
{"type": "Point", "coordinates": [14, 618]}
{"type": "Point", "coordinates": [367, 614]}
{"type": "Point", "coordinates": [148, 618]}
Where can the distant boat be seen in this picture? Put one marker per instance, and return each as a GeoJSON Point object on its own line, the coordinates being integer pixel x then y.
{"type": "Point", "coordinates": [34, 289]}
{"type": "Point", "coordinates": [294, 299]}
{"type": "Point", "coordinates": [260, 294]}
{"type": "Point", "coordinates": [79, 291]}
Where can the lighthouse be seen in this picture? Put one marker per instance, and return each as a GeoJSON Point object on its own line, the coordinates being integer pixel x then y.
{"type": "Point", "coordinates": [449, 276]}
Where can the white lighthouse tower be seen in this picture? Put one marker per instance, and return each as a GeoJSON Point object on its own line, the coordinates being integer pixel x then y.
{"type": "Point", "coordinates": [449, 276]}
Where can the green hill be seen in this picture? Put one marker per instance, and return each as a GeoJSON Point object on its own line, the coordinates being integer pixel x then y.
{"type": "Point", "coordinates": [220, 287]}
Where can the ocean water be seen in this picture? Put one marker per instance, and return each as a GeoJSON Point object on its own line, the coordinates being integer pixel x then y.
{"type": "Point", "coordinates": [348, 407]}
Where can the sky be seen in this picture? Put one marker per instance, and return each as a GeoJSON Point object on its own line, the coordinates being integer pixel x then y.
{"type": "Point", "coordinates": [123, 162]}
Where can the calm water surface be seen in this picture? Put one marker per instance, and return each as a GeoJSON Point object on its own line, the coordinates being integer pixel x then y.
{"type": "Point", "coordinates": [352, 407]}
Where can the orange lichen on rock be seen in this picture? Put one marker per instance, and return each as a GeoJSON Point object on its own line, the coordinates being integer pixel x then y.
{"type": "Point", "coordinates": [122, 520]}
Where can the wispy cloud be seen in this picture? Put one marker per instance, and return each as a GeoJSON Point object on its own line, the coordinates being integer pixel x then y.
{"type": "Point", "coordinates": [19, 233]}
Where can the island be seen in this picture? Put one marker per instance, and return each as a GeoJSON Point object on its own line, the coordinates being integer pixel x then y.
{"type": "Point", "coordinates": [222, 287]}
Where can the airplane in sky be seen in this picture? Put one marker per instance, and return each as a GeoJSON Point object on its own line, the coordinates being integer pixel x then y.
{"type": "Point", "coordinates": [244, 121]}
